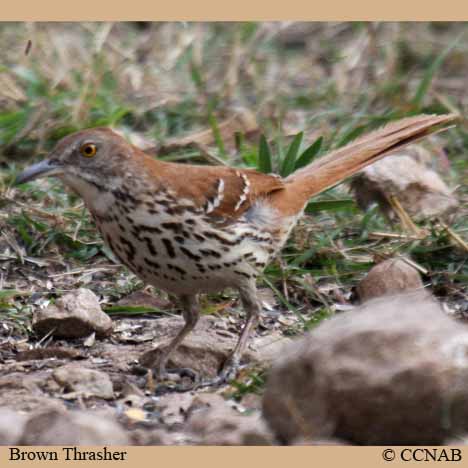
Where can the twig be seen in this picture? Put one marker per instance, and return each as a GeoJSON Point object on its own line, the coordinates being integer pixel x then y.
{"type": "Point", "coordinates": [455, 237]}
{"type": "Point", "coordinates": [405, 218]}
{"type": "Point", "coordinates": [392, 235]}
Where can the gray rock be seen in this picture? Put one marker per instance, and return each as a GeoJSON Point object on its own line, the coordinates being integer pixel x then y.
{"type": "Point", "coordinates": [72, 428]}
{"type": "Point", "coordinates": [393, 372]}
{"type": "Point", "coordinates": [74, 315]}
{"type": "Point", "coordinates": [84, 382]}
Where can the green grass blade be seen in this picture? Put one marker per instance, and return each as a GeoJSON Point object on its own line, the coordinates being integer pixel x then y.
{"type": "Point", "coordinates": [309, 154]}
{"type": "Point", "coordinates": [351, 135]}
{"type": "Point", "coordinates": [196, 76]}
{"type": "Point", "coordinates": [216, 133]}
{"type": "Point", "coordinates": [346, 204]}
{"type": "Point", "coordinates": [131, 310]}
{"type": "Point", "coordinates": [289, 161]}
{"type": "Point", "coordinates": [264, 156]}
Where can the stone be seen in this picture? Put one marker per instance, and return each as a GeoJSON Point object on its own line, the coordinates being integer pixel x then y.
{"type": "Point", "coordinates": [72, 428]}
{"type": "Point", "coordinates": [419, 189]}
{"type": "Point", "coordinates": [84, 382]}
{"type": "Point", "coordinates": [74, 315]}
{"type": "Point", "coordinates": [393, 372]}
{"type": "Point", "coordinates": [389, 277]}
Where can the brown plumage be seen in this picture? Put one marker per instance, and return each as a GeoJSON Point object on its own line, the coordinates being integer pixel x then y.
{"type": "Point", "coordinates": [200, 184]}
{"type": "Point", "coordinates": [189, 229]}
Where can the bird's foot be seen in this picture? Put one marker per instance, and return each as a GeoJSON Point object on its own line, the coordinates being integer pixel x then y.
{"type": "Point", "coordinates": [160, 380]}
{"type": "Point", "coordinates": [228, 373]}
{"type": "Point", "coordinates": [174, 380]}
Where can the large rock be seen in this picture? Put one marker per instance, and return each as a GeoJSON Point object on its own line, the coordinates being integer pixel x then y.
{"type": "Point", "coordinates": [419, 189]}
{"type": "Point", "coordinates": [72, 428]}
{"type": "Point", "coordinates": [74, 315]}
{"type": "Point", "coordinates": [390, 277]}
{"type": "Point", "coordinates": [393, 372]}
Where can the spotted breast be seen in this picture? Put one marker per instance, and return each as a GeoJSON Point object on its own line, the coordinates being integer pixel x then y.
{"type": "Point", "coordinates": [186, 248]}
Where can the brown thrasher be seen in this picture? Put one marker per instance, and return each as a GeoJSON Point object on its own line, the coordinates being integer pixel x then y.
{"type": "Point", "coordinates": [189, 229]}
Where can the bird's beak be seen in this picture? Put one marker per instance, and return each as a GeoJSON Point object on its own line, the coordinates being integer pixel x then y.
{"type": "Point", "coordinates": [40, 169]}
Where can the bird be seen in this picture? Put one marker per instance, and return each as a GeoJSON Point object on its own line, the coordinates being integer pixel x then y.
{"type": "Point", "coordinates": [190, 229]}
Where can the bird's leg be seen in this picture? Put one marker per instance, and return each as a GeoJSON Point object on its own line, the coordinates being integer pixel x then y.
{"type": "Point", "coordinates": [248, 295]}
{"type": "Point", "coordinates": [191, 313]}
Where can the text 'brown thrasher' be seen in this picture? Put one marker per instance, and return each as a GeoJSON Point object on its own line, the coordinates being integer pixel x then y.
{"type": "Point", "coordinates": [188, 229]}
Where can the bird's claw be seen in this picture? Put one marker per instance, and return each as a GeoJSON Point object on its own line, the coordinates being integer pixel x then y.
{"type": "Point", "coordinates": [228, 373]}
{"type": "Point", "coordinates": [175, 380]}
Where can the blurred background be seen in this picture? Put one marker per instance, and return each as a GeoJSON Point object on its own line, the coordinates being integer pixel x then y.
{"type": "Point", "coordinates": [161, 80]}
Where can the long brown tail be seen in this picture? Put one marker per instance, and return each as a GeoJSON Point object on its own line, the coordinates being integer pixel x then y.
{"type": "Point", "coordinates": [342, 163]}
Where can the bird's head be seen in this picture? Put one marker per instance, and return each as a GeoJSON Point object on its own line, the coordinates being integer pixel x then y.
{"type": "Point", "coordinates": [93, 163]}
{"type": "Point", "coordinates": [90, 158]}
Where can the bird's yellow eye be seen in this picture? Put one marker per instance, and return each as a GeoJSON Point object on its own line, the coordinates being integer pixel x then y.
{"type": "Point", "coordinates": [88, 150]}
